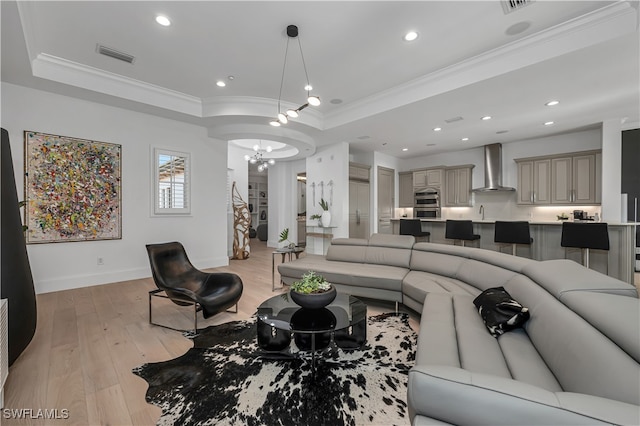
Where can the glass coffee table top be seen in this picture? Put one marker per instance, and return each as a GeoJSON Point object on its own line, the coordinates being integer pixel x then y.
{"type": "Point", "coordinates": [282, 313]}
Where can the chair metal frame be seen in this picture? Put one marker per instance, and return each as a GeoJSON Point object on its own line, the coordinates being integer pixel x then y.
{"type": "Point", "coordinates": [196, 308]}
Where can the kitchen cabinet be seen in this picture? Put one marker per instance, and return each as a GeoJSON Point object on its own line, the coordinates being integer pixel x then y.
{"type": "Point", "coordinates": [359, 209]}
{"type": "Point", "coordinates": [359, 172]}
{"type": "Point", "coordinates": [566, 179]}
{"type": "Point", "coordinates": [458, 186]}
{"type": "Point", "coordinates": [427, 178]}
{"type": "Point", "coordinates": [573, 179]}
{"type": "Point", "coordinates": [534, 182]}
{"type": "Point", "coordinates": [405, 189]}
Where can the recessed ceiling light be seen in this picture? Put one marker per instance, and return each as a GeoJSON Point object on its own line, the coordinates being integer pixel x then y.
{"type": "Point", "coordinates": [405, 149]}
{"type": "Point", "coordinates": [548, 123]}
{"type": "Point", "coordinates": [465, 139]}
{"type": "Point", "coordinates": [220, 83]}
{"type": "Point", "coordinates": [437, 129]}
{"type": "Point", "coordinates": [163, 20]}
{"type": "Point", "coordinates": [552, 103]}
{"type": "Point", "coordinates": [336, 101]}
{"type": "Point", "coordinates": [363, 137]}
{"type": "Point", "coordinates": [499, 132]}
{"type": "Point", "coordinates": [410, 36]}
{"type": "Point", "coordinates": [431, 144]}
{"type": "Point", "coordinates": [486, 117]}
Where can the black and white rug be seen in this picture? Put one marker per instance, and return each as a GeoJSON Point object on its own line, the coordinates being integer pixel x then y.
{"type": "Point", "coordinates": [223, 380]}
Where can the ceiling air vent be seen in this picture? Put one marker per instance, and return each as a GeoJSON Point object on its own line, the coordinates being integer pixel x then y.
{"type": "Point", "coordinates": [116, 54]}
{"type": "Point", "coordinates": [453, 120]}
{"type": "Point", "coordinates": [512, 5]}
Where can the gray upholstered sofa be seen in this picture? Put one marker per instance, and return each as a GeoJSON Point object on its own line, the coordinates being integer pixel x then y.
{"type": "Point", "coordinates": [576, 361]}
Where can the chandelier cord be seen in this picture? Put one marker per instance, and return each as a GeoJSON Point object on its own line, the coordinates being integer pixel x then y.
{"type": "Point", "coordinates": [284, 68]}
{"type": "Point", "coordinates": [304, 65]}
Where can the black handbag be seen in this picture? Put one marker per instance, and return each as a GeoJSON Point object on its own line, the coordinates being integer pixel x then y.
{"type": "Point", "coordinates": [499, 311]}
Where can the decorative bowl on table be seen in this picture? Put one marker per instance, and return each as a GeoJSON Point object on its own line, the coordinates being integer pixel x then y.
{"type": "Point", "coordinates": [312, 291]}
{"type": "Point", "coordinates": [314, 300]}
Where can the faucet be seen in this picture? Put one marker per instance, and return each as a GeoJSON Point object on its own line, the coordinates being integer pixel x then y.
{"type": "Point", "coordinates": [481, 211]}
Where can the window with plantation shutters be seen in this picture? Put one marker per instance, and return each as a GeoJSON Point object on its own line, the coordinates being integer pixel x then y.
{"type": "Point", "coordinates": [171, 182]}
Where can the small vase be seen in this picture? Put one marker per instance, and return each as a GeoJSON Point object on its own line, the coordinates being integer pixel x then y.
{"type": "Point", "coordinates": [326, 218]}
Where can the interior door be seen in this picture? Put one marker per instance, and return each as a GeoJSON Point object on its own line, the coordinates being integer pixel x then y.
{"type": "Point", "coordinates": [386, 186]}
{"type": "Point", "coordinates": [358, 209]}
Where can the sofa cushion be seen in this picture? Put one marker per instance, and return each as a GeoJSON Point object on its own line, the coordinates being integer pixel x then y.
{"type": "Point", "coordinates": [388, 256]}
{"type": "Point", "coordinates": [355, 274]}
{"type": "Point", "coordinates": [617, 317]}
{"type": "Point", "coordinates": [561, 275]}
{"type": "Point", "coordinates": [458, 396]}
{"type": "Point", "coordinates": [437, 263]}
{"type": "Point", "coordinates": [483, 275]}
{"type": "Point", "coordinates": [347, 253]}
{"type": "Point", "coordinates": [417, 284]}
{"type": "Point", "coordinates": [393, 241]}
{"type": "Point", "coordinates": [582, 359]}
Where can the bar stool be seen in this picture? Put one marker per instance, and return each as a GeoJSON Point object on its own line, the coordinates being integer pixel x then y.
{"type": "Point", "coordinates": [585, 236]}
{"type": "Point", "coordinates": [513, 233]}
{"type": "Point", "coordinates": [460, 230]}
{"type": "Point", "coordinates": [413, 227]}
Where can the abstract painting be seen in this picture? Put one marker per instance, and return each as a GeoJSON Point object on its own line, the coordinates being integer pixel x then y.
{"type": "Point", "coordinates": [72, 189]}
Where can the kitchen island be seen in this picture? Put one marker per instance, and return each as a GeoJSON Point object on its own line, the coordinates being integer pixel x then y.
{"type": "Point", "coordinates": [618, 262]}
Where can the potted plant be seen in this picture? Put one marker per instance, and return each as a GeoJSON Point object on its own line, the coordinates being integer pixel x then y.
{"type": "Point", "coordinates": [326, 214]}
{"type": "Point", "coordinates": [284, 236]}
{"type": "Point", "coordinates": [312, 291]}
{"type": "Point", "coordinates": [316, 217]}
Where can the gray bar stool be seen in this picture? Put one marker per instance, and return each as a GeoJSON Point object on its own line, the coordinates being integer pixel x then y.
{"type": "Point", "coordinates": [413, 227]}
{"type": "Point", "coordinates": [460, 230]}
{"type": "Point", "coordinates": [512, 233]}
{"type": "Point", "coordinates": [585, 236]}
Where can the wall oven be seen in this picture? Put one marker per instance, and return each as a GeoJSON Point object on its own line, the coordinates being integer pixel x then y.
{"type": "Point", "coordinates": [426, 197]}
{"type": "Point", "coordinates": [426, 212]}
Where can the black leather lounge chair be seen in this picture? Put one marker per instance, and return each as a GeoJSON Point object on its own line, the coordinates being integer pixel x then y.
{"type": "Point", "coordinates": [185, 285]}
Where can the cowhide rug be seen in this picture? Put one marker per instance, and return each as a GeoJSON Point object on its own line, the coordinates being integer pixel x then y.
{"type": "Point", "coordinates": [223, 380]}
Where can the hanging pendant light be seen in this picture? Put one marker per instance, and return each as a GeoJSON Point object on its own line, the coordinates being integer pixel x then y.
{"type": "Point", "coordinates": [283, 118]}
{"type": "Point", "coordinates": [258, 157]}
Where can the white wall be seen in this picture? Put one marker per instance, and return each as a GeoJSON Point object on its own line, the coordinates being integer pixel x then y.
{"type": "Point", "coordinates": [330, 163]}
{"type": "Point", "coordinates": [69, 265]}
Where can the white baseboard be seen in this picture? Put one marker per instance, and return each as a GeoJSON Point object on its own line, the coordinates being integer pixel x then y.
{"type": "Point", "coordinates": [88, 280]}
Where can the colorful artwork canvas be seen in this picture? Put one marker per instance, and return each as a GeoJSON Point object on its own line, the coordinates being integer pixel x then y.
{"type": "Point", "coordinates": [72, 189]}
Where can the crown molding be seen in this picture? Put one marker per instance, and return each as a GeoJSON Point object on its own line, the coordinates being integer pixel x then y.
{"type": "Point", "coordinates": [74, 74]}
{"type": "Point", "coordinates": [596, 27]}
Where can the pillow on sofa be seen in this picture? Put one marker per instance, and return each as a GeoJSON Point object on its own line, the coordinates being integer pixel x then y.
{"type": "Point", "coordinates": [499, 311]}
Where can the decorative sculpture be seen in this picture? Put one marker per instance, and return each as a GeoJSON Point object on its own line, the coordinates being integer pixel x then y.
{"type": "Point", "coordinates": [330, 184]}
{"type": "Point", "coordinates": [241, 222]}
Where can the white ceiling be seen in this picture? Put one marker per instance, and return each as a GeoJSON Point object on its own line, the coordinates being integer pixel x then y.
{"type": "Point", "coordinates": [393, 93]}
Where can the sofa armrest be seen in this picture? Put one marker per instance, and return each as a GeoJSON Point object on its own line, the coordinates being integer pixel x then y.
{"type": "Point", "coordinates": [457, 396]}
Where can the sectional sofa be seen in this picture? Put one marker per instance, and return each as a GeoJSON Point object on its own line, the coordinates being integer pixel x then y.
{"type": "Point", "coordinates": [576, 361]}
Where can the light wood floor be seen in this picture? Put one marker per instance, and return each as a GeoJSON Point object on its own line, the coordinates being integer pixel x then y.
{"type": "Point", "coordinates": [88, 340]}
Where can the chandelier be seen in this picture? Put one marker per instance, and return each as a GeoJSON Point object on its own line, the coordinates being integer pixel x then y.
{"type": "Point", "coordinates": [283, 117]}
{"type": "Point", "coordinates": [258, 157]}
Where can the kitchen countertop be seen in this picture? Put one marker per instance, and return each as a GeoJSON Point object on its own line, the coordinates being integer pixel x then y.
{"type": "Point", "coordinates": [532, 222]}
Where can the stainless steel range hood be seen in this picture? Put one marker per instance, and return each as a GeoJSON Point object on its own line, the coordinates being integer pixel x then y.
{"type": "Point", "coordinates": [493, 169]}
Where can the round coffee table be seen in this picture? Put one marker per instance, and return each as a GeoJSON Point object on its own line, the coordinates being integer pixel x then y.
{"type": "Point", "coordinates": [343, 322]}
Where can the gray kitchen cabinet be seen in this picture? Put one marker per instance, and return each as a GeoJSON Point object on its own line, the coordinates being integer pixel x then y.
{"type": "Point", "coordinates": [428, 178]}
{"type": "Point", "coordinates": [405, 189]}
{"type": "Point", "coordinates": [359, 171]}
{"type": "Point", "coordinates": [573, 179]}
{"type": "Point", "coordinates": [458, 186]}
{"type": "Point", "coordinates": [534, 182]}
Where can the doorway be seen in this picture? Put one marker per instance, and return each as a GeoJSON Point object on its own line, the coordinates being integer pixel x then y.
{"type": "Point", "coordinates": [386, 185]}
